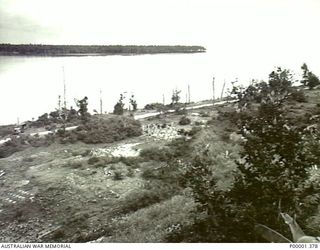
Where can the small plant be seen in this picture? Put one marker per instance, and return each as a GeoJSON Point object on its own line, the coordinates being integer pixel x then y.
{"type": "Point", "coordinates": [175, 97]}
{"type": "Point", "coordinates": [133, 103]}
{"type": "Point", "coordinates": [28, 159]}
{"type": "Point", "coordinates": [119, 107]}
{"type": "Point", "coordinates": [184, 120]}
{"type": "Point", "coordinates": [308, 78]}
{"type": "Point", "coordinates": [130, 172]}
{"type": "Point", "coordinates": [117, 175]}
{"type": "Point", "coordinates": [93, 160]}
{"type": "Point", "coordinates": [83, 108]}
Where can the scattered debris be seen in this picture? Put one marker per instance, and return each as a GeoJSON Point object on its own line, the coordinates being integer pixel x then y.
{"type": "Point", "coordinates": [161, 131]}
{"type": "Point", "coordinates": [126, 150]}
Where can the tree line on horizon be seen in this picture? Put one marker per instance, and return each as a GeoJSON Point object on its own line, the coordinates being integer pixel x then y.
{"type": "Point", "coordinates": [41, 49]}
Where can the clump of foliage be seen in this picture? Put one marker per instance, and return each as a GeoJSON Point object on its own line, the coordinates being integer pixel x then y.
{"type": "Point", "coordinates": [274, 164]}
{"type": "Point", "coordinates": [175, 98]}
{"type": "Point", "coordinates": [277, 89]}
{"type": "Point", "coordinates": [154, 106]}
{"type": "Point", "coordinates": [119, 107]}
{"type": "Point", "coordinates": [148, 196]}
{"type": "Point", "coordinates": [83, 108]}
{"type": "Point", "coordinates": [153, 223]}
{"type": "Point", "coordinates": [272, 173]}
{"type": "Point", "coordinates": [12, 146]}
{"type": "Point", "coordinates": [6, 130]}
{"type": "Point", "coordinates": [63, 115]}
{"type": "Point", "coordinates": [176, 149]}
{"type": "Point", "coordinates": [184, 120]}
{"type": "Point", "coordinates": [106, 130]}
{"type": "Point", "coordinates": [17, 144]}
{"type": "Point", "coordinates": [133, 103]}
{"type": "Point", "coordinates": [309, 79]}
{"type": "Point", "coordinates": [118, 175]}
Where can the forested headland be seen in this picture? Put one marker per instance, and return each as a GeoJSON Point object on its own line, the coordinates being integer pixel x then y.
{"type": "Point", "coordinates": [65, 50]}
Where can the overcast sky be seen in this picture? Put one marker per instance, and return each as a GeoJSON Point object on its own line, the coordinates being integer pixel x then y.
{"type": "Point", "coordinates": [255, 24]}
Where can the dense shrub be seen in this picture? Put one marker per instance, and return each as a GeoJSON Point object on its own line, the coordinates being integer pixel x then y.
{"type": "Point", "coordinates": [98, 130]}
{"type": "Point", "coordinates": [155, 106]}
{"type": "Point", "coordinates": [272, 173]}
{"type": "Point", "coordinates": [308, 78]}
{"type": "Point", "coordinates": [12, 146]}
{"type": "Point", "coordinates": [297, 95]}
{"type": "Point", "coordinates": [119, 107]}
{"type": "Point", "coordinates": [139, 199]}
{"type": "Point", "coordinates": [274, 162]}
{"type": "Point", "coordinates": [93, 160]}
{"type": "Point", "coordinates": [184, 120]}
{"type": "Point", "coordinates": [156, 154]}
{"type": "Point", "coordinates": [6, 130]}
{"type": "Point", "coordinates": [21, 142]}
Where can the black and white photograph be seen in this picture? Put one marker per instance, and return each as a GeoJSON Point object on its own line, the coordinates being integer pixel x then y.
{"type": "Point", "coordinates": [148, 121]}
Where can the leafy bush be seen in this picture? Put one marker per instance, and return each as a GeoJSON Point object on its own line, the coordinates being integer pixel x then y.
{"type": "Point", "coordinates": [156, 154]}
{"type": "Point", "coordinates": [22, 142]}
{"type": "Point", "coordinates": [177, 148]}
{"type": "Point", "coordinates": [155, 106]}
{"type": "Point", "coordinates": [93, 160]}
{"type": "Point", "coordinates": [98, 130]}
{"type": "Point", "coordinates": [184, 120]}
{"type": "Point", "coordinates": [194, 131]}
{"type": "Point", "coordinates": [297, 95]}
{"type": "Point", "coordinates": [6, 130]}
{"type": "Point", "coordinates": [214, 218]}
{"type": "Point", "coordinates": [179, 109]}
{"type": "Point", "coordinates": [119, 107]}
{"type": "Point", "coordinates": [309, 79]}
{"type": "Point", "coordinates": [139, 199]}
{"type": "Point", "coordinates": [118, 175]}
{"type": "Point", "coordinates": [272, 172]}
{"type": "Point", "coordinates": [11, 147]}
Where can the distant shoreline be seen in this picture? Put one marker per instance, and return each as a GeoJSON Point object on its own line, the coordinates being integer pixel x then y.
{"type": "Point", "coordinates": [94, 50]}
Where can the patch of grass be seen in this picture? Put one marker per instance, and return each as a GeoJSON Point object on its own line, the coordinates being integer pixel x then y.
{"type": "Point", "coordinates": [153, 223]}
{"type": "Point", "coordinates": [74, 164]}
{"type": "Point", "coordinates": [130, 173]}
{"type": "Point", "coordinates": [156, 154]}
{"type": "Point", "coordinates": [58, 235]}
{"type": "Point", "coordinates": [81, 152]}
{"type": "Point", "coordinates": [28, 159]}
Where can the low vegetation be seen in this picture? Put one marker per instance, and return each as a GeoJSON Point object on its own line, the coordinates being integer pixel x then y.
{"type": "Point", "coordinates": [94, 130]}
{"type": "Point", "coordinates": [250, 161]}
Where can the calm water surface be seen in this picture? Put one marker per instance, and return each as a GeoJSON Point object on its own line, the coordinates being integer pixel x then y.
{"type": "Point", "coordinates": [30, 86]}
